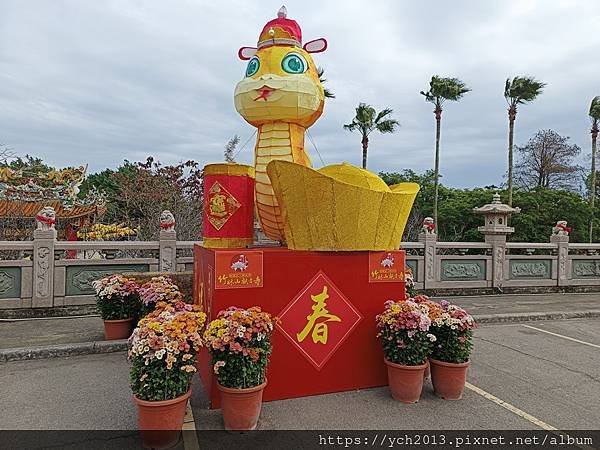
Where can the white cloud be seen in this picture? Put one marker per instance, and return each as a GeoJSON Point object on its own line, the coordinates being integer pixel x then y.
{"type": "Point", "coordinates": [97, 82]}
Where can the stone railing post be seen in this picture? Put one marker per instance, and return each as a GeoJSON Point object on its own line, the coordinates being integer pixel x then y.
{"type": "Point", "coordinates": [429, 238]}
{"type": "Point", "coordinates": [498, 243]}
{"type": "Point", "coordinates": [560, 237]}
{"type": "Point", "coordinates": [44, 238]}
{"type": "Point", "coordinates": [167, 260]}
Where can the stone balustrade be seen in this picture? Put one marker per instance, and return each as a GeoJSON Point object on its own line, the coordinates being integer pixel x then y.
{"type": "Point", "coordinates": [42, 275]}
{"type": "Point", "coordinates": [45, 272]}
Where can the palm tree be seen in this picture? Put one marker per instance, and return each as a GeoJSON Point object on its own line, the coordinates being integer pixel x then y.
{"type": "Point", "coordinates": [368, 120]}
{"type": "Point", "coordinates": [440, 90]}
{"type": "Point", "coordinates": [322, 79]}
{"type": "Point", "coordinates": [519, 91]}
{"type": "Point", "coordinates": [595, 117]}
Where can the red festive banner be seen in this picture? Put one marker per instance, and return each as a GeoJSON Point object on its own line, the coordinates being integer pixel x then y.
{"type": "Point", "coordinates": [238, 269]}
{"type": "Point", "coordinates": [386, 266]}
{"type": "Point", "coordinates": [228, 220]}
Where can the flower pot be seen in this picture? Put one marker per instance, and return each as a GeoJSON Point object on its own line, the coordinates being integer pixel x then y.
{"type": "Point", "coordinates": [241, 407]}
{"type": "Point", "coordinates": [448, 379]}
{"type": "Point", "coordinates": [160, 422]}
{"type": "Point", "coordinates": [118, 329]}
{"type": "Point", "coordinates": [406, 382]}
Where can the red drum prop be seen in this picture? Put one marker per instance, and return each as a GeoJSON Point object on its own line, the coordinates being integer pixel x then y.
{"type": "Point", "coordinates": [228, 206]}
{"type": "Point", "coordinates": [326, 302]}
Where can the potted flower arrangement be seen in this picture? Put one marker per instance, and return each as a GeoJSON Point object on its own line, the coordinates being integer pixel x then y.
{"type": "Point", "coordinates": [162, 351]}
{"type": "Point", "coordinates": [117, 302]}
{"type": "Point", "coordinates": [453, 329]}
{"type": "Point", "coordinates": [156, 290]}
{"type": "Point", "coordinates": [240, 345]}
{"type": "Point", "coordinates": [404, 331]}
{"type": "Point", "coordinates": [434, 310]}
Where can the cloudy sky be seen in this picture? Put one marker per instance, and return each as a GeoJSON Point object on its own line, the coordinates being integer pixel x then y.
{"type": "Point", "coordinates": [95, 82]}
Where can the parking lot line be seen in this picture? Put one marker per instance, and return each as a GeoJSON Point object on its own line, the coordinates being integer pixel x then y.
{"type": "Point", "coordinates": [564, 337]}
{"type": "Point", "coordinates": [511, 408]}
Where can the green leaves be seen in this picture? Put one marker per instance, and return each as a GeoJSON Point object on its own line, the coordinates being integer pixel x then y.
{"type": "Point", "coordinates": [117, 308]}
{"type": "Point", "coordinates": [595, 109]}
{"type": "Point", "coordinates": [154, 382]}
{"type": "Point", "coordinates": [368, 120]}
{"type": "Point", "coordinates": [322, 79]}
{"type": "Point", "coordinates": [239, 370]}
{"type": "Point", "coordinates": [401, 349]}
{"type": "Point", "coordinates": [453, 346]}
{"type": "Point", "coordinates": [522, 89]}
{"type": "Point", "coordinates": [441, 89]}
{"type": "Point", "coordinates": [541, 208]}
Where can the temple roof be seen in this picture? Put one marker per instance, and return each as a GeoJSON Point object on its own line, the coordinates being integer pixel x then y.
{"type": "Point", "coordinates": [23, 194]}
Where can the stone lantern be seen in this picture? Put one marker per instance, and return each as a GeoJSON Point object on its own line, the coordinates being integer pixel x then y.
{"type": "Point", "coordinates": [495, 229]}
{"type": "Point", "coordinates": [496, 215]}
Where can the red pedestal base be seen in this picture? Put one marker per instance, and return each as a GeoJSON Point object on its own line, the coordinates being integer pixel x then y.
{"type": "Point", "coordinates": [326, 301]}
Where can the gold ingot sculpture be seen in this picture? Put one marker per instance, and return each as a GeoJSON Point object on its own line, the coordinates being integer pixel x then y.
{"type": "Point", "coordinates": [340, 207]}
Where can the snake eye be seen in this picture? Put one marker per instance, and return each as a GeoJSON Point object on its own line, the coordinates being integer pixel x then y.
{"type": "Point", "coordinates": [294, 63]}
{"type": "Point", "coordinates": [253, 66]}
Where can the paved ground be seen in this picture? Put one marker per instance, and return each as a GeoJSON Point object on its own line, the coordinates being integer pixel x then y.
{"type": "Point", "coordinates": [37, 332]}
{"type": "Point", "coordinates": [52, 331]}
{"type": "Point", "coordinates": [553, 379]}
{"type": "Point", "coordinates": [80, 392]}
{"type": "Point", "coordinates": [531, 303]}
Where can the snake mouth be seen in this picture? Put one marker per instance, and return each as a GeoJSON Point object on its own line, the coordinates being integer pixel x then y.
{"type": "Point", "coordinates": [264, 93]}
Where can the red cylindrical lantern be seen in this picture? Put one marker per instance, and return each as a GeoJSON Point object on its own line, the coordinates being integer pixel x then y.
{"type": "Point", "coordinates": [228, 205]}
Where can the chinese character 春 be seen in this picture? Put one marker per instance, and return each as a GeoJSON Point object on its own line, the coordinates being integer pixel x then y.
{"type": "Point", "coordinates": [319, 329]}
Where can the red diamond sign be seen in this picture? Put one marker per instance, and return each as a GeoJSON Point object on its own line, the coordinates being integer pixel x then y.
{"type": "Point", "coordinates": [318, 320]}
{"type": "Point", "coordinates": [221, 205]}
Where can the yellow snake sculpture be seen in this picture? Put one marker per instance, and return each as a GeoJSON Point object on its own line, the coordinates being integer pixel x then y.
{"type": "Point", "coordinates": [282, 96]}
{"type": "Point", "coordinates": [335, 208]}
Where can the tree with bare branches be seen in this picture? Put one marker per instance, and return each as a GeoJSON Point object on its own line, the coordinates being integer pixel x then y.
{"type": "Point", "coordinates": [138, 192]}
{"type": "Point", "coordinates": [547, 160]}
{"type": "Point", "coordinates": [6, 154]}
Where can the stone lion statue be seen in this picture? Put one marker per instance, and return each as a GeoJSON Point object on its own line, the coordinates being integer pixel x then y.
{"type": "Point", "coordinates": [428, 225]}
{"type": "Point", "coordinates": [167, 220]}
{"type": "Point", "coordinates": [46, 218]}
{"type": "Point", "coordinates": [561, 228]}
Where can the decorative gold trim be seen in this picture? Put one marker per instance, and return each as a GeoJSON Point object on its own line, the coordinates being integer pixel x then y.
{"type": "Point", "coordinates": [278, 41]}
{"type": "Point", "coordinates": [223, 242]}
{"type": "Point", "coordinates": [229, 169]}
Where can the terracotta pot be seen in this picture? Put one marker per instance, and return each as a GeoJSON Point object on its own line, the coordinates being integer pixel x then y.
{"type": "Point", "coordinates": [241, 407]}
{"type": "Point", "coordinates": [118, 329]}
{"type": "Point", "coordinates": [406, 382]}
{"type": "Point", "coordinates": [160, 422]}
{"type": "Point", "coordinates": [448, 378]}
